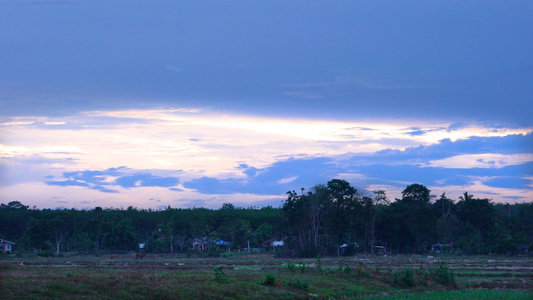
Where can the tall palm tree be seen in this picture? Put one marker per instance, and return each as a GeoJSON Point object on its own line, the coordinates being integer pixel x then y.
{"type": "Point", "coordinates": [466, 197]}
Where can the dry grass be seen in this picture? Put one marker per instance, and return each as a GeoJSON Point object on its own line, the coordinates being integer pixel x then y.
{"type": "Point", "coordinates": [172, 277]}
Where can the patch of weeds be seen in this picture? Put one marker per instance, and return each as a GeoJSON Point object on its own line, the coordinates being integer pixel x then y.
{"type": "Point", "coordinates": [299, 285]}
{"type": "Point", "coordinates": [220, 276]}
{"type": "Point", "coordinates": [348, 270]}
{"type": "Point", "coordinates": [291, 267]}
{"type": "Point", "coordinates": [442, 274]}
{"type": "Point", "coordinates": [303, 268]}
{"type": "Point", "coordinates": [319, 264]}
{"type": "Point", "coordinates": [46, 253]}
{"type": "Point", "coordinates": [403, 278]}
{"type": "Point", "coordinates": [270, 280]}
{"type": "Point", "coordinates": [362, 270]}
{"type": "Point", "coordinates": [213, 251]}
{"type": "Point", "coordinates": [59, 288]}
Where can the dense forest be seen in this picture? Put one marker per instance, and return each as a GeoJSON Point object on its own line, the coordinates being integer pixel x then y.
{"type": "Point", "coordinates": [330, 219]}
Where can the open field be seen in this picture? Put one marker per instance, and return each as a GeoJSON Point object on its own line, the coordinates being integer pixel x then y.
{"type": "Point", "coordinates": [264, 277]}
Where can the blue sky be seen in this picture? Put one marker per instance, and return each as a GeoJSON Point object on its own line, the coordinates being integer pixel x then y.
{"type": "Point", "coordinates": [197, 103]}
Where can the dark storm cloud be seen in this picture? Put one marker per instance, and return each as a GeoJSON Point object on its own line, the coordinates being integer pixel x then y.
{"type": "Point", "coordinates": [443, 60]}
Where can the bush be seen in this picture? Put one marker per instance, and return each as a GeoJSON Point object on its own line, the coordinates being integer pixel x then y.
{"type": "Point", "coordinates": [270, 280]}
{"type": "Point", "coordinates": [318, 263]}
{"type": "Point", "coordinates": [291, 267]}
{"type": "Point", "coordinates": [213, 251]}
{"type": "Point", "coordinates": [442, 274]}
{"type": "Point", "coordinates": [220, 276]}
{"type": "Point", "coordinates": [46, 253]}
{"type": "Point", "coordinates": [303, 268]}
{"type": "Point", "coordinates": [299, 284]}
{"type": "Point", "coordinates": [362, 270]}
{"type": "Point", "coordinates": [347, 270]}
{"type": "Point", "coordinates": [403, 278]}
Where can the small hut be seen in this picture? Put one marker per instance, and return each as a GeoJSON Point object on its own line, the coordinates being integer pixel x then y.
{"type": "Point", "coordinates": [5, 246]}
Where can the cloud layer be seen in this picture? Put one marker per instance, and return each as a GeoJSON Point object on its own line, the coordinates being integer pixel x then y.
{"type": "Point", "coordinates": [187, 153]}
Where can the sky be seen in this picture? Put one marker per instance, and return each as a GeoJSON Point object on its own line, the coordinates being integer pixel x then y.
{"type": "Point", "coordinates": [199, 103]}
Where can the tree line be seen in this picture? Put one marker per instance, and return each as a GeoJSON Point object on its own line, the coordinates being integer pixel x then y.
{"type": "Point", "coordinates": [329, 219]}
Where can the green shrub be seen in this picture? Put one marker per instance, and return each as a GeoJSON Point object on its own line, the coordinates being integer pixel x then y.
{"type": "Point", "coordinates": [213, 251]}
{"type": "Point", "coordinates": [220, 276]}
{"type": "Point", "coordinates": [291, 267]}
{"type": "Point", "coordinates": [347, 270]}
{"type": "Point", "coordinates": [46, 253]}
{"type": "Point", "coordinates": [303, 268]}
{"type": "Point", "coordinates": [270, 280]}
{"type": "Point", "coordinates": [362, 270]}
{"type": "Point", "coordinates": [403, 278]}
{"type": "Point", "coordinates": [319, 263]}
{"type": "Point", "coordinates": [299, 284]}
{"type": "Point", "coordinates": [442, 274]}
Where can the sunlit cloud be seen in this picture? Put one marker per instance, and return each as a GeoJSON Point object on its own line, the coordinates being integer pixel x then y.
{"type": "Point", "coordinates": [287, 180]}
{"type": "Point", "coordinates": [237, 154]}
{"type": "Point", "coordinates": [487, 160]}
{"type": "Point", "coordinates": [316, 130]}
{"type": "Point", "coordinates": [15, 123]}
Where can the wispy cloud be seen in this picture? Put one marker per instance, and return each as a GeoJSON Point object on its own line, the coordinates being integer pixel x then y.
{"type": "Point", "coordinates": [483, 160]}
{"type": "Point", "coordinates": [174, 68]}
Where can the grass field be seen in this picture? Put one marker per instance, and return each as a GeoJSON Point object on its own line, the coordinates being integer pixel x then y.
{"type": "Point", "coordinates": [264, 277]}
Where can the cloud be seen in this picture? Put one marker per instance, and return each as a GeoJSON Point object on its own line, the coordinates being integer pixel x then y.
{"type": "Point", "coordinates": [104, 180]}
{"type": "Point", "coordinates": [304, 94]}
{"type": "Point", "coordinates": [67, 183]}
{"type": "Point", "coordinates": [146, 180]}
{"type": "Point", "coordinates": [174, 68]}
{"type": "Point", "coordinates": [485, 160]}
{"type": "Point", "coordinates": [391, 168]}
{"type": "Point", "coordinates": [103, 189]}
{"type": "Point", "coordinates": [287, 180]}
{"type": "Point", "coordinates": [510, 182]}
{"type": "Point", "coordinates": [225, 155]}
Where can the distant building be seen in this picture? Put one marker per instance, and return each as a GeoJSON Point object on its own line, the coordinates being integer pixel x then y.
{"type": "Point", "coordinates": [272, 244]}
{"type": "Point", "coordinates": [205, 243]}
{"type": "Point", "coordinates": [442, 248]}
{"type": "Point", "coordinates": [5, 246]}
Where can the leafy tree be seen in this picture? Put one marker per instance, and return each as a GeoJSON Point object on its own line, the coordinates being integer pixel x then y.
{"type": "Point", "coordinates": [263, 233]}
{"type": "Point", "coordinates": [36, 235]}
{"type": "Point", "coordinates": [380, 198]}
{"type": "Point", "coordinates": [117, 233]}
{"type": "Point", "coordinates": [322, 219]}
{"type": "Point", "coordinates": [478, 218]}
{"type": "Point", "coordinates": [14, 205]}
{"type": "Point", "coordinates": [447, 221]}
{"type": "Point", "coordinates": [61, 225]}
{"type": "Point", "coordinates": [416, 220]}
